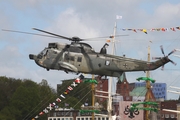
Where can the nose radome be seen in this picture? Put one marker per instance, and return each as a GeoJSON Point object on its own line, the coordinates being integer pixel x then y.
{"type": "Point", "coordinates": [32, 57]}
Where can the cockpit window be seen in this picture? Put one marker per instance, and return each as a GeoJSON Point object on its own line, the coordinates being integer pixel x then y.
{"type": "Point", "coordinates": [75, 49]}
{"type": "Point", "coordinates": [43, 53]}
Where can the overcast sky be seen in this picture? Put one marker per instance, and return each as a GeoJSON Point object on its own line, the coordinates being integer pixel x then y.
{"type": "Point", "coordinates": [88, 19]}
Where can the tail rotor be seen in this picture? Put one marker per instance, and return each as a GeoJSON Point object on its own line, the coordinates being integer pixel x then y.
{"type": "Point", "coordinates": [162, 50]}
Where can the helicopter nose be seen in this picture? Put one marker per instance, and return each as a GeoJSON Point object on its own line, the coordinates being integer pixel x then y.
{"type": "Point", "coordinates": [32, 57]}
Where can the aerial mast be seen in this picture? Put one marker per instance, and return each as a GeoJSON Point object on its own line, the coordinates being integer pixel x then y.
{"type": "Point", "coordinates": [149, 95]}
{"type": "Point", "coordinates": [109, 108]}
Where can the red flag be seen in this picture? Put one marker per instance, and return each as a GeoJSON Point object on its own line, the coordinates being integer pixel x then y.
{"type": "Point", "coordinates": [66, 92]}
{"type": "Point", "coordinates": [78, 80]}
{"type": "Point", "coordinates": [134, 30]}
{"type": "Point", "coordinates": [70, 88]}
{"type": "Point", "coordinates": [58, 100]}
{"type": "Point", "coordinates": [163, 29]}
{"type": "Point", "coordinates": [173, 29]}
{"type": "Point", "coordinates": [41, 113]}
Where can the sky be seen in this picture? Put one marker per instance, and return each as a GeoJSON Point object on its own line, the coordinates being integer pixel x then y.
{"type": "Point", "coordinates": [89, 19]}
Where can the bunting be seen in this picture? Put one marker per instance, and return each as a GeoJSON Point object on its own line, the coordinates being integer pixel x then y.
{"type": "Point", "coordinates": [163, 29]}
{"type": "Point", "coordinates": [63, 96]}
{"type": "Point", "coordinates": [146, 79]}
{"type": "Point", "coordinates": [91, 81]}
{"type": "Point", "coordinates": [87, 111]}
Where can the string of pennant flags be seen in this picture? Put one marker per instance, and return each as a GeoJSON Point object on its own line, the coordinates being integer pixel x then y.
{"type": "Point", "coordinates": [63, 95]}
{"type": "Point", "coordinates": [152, 29]}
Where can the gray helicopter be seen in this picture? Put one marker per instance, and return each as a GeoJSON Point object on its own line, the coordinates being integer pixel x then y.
{"type": "Point", "coordinates": [79, 57]}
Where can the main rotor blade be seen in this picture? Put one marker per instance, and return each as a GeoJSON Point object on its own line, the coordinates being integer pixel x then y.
{"type": "Point", "coordinates": [104, 37]}
{"type": "Point", "coordinates": [29, 33]}
{"type": "Point", "coordinates": [53, 34]}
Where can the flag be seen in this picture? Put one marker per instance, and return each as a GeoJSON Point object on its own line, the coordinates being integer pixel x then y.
{"type": "Point", "coordinates": [178, 28]}
{"type": "Point", "coordinates": [173, 29]}
{"type": "Point", "coordinates": [134, 30]}
{"type": "Point", "coordinates": [108, 40]}
{"type": "Point", "coordinates": [163, 29]}
{"type": "Point", "coordinates": [66, 92]}
{"type": "Point", "coordinates": [41, 113]}
{"type": "Point", "coordinates": [53, 104]}
{"type": "Point", "coordinates": [62, 96]}
{"type": "Point", "coordinates": [118, 17]}
{"type": "Point", "coordinates": [65, 104]}
{"type": "Point", "coordinates": [145, 31]}
{"type": "Point", "coordinates": [45, 110]}
{"type": "Point", "coordinates": [78, 80]}
{"type": "Point", "coordinates": [58, 100]}
{"type": "Point", "coordinates": [49, 107]}
{"type": "Point", "coordinates": [74, 84]}
{"type": "Point", "coordinates": [70, 88]}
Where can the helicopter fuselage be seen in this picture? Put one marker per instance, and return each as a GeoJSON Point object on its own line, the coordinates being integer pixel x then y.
{"type": "Point", "coordinates": [81, 58]}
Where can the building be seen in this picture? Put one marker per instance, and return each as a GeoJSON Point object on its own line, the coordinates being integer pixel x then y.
{"type": "Point", "coordinates": [158, 89]}
{"type": "Point", "coordinates": [102, 86]}
{"type": "Point", "coordinates": [123, 88]}
{"type": "Point", "coordinates": [74, 115]}
{"type": "Point", "coordinates": [172, 105]}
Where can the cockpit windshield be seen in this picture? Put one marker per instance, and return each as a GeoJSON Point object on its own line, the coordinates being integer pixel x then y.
{"type": "Point", "coordinates": [42, 53]}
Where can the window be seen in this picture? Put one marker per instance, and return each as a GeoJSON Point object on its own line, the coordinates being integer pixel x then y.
{"type": "Point", "coordinates": [166, 115]}
{"type": "Point", "coordinates": [72, 58]}
{"type": "Point", "coordinates": [107, 62]}
{"type": "Point", "coordinates": [172, 116]}
{"type": "Point", "coordinates": [75, 49]}
{"type": "Point", "coordinates": [79, 59]}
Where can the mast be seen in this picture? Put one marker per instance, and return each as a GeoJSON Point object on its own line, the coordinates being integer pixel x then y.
{"type": "Point", "coordinates": [109, 108]}
{"type": "Point", "coordinates": [149, 95]}
{"type": "Point", "coordinates": [93, 96]}
{"type": "Point", "coordinates": [148, 86]}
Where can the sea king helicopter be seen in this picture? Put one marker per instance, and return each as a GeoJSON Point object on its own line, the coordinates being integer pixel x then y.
{"type": "Point", "coordinates": [79, 57]}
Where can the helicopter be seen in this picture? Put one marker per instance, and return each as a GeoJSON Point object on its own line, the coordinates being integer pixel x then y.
{"type": "Point", "coordinates": [79, 57]}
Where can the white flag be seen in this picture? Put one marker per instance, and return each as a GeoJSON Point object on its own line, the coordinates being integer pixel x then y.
{"type": "Point", "coordinates": [118, 17]}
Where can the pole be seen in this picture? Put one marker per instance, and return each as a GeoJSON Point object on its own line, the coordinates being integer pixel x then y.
{"type": "Point", "coordinates": [93, 96]}
{"type": "Point", "coordinates": [148, 86]}
{"type": "Point", "coordinates": [110, 80]}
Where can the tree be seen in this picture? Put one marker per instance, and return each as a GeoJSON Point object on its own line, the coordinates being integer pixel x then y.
{"type": "Point", "coordinates": [23, 99]}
